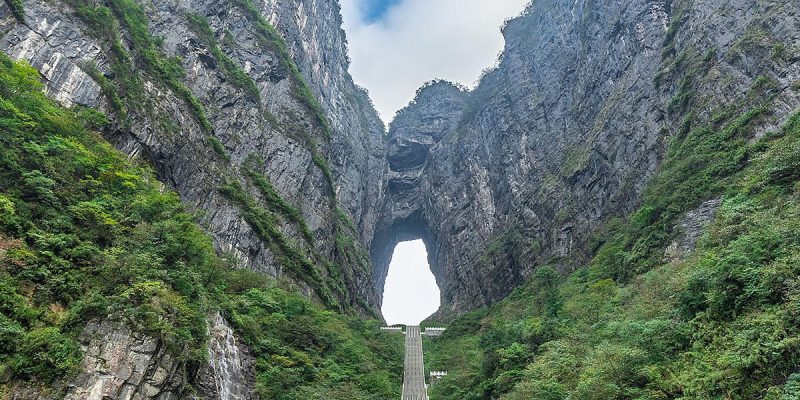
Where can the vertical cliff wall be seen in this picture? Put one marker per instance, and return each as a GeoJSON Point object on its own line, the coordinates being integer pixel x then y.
{"type": "Point", "coordinates": [247, 110]}
{"type": "Point", "coordinates": [244, 107]}
{"type": "Point", "coordinates": [565, 133]}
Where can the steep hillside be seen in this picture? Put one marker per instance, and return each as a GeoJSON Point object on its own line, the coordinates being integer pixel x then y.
{"type": "Point", "coordinates": [243, 107]}
{"type": "Point", "coordinates": [109, 288]}
{"type": "Point", "coordinates": [695, 296]}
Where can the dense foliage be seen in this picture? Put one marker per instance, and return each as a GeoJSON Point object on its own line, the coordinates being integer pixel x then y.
{"type": "Point", "coordinates": [724, 323]}
{"type": "Point", "coordinates": [87, 235]}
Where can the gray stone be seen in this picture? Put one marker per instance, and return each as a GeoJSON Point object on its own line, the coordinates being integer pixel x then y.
{"type": "Point", "coordinates": [516, 174]}
{"type": "Point", "coordinates": [565, 133]}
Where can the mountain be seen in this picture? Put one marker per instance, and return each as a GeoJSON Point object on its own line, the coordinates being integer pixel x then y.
{"type": "Point", "coordinates": [564, 136]}
{"type": "Point", "coordinates": [246, 112]}
{"type": "Point", "coordinates": [208, 206]}
{"type": "Point", "coordinates": [210, 94]}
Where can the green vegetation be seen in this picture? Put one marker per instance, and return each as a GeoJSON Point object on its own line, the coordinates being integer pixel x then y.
{"type": "Point", "coordinates": [322, 163]}
{"type": "Point", "coordinates": [278, 204]}
{"type": "Point", "coordinates": [270, 38]}
{"type": "Point", "coordinates": [219, 148]}
{"type": "Point", "coordinates": [232, 71]}
{"type": "Point", "coordinates": [105, 23]}
{"type": "Point", "coordinates": [321, 272]}
{"type": "Point", "coordinates": [265, 223]}
{"type": "Point", "coordinates": [723, 323]}
{"type": "Point", "coordinates": [108, 89]}
{"type": "Point", "coordinates": [314, 354]}
{"type": "Point", "coordinates": [678, 9]}
{"type": "Point", "coordinates": [348, 249]}
{"type": "Point", "coordinates": [87, 235]}
{"type": "Point", "coordinates": [17, 8]}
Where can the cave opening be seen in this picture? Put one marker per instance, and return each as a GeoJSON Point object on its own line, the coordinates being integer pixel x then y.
{"type": "Point", "coordinates": [410, 292]}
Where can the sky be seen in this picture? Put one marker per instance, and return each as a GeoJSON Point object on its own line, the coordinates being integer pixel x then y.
{"type": "Point", "coordinates": [395, 47]}
{"type": "Point", "coordinates": [398, 45]}
{"type": "Point", "coordinates": [410, 294]}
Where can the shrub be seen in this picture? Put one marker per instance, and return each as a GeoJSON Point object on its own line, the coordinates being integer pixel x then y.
{"type": "Point", "coordinates": [46, 353]}
{"type": "Point", "coordinates": [219, 148]}
{"type": "Point", "coordinates": [18, 9]}
{"type": "Point", "coordinates": [232, 71]}
{"type": "Point", "coordinates": [7, 211]}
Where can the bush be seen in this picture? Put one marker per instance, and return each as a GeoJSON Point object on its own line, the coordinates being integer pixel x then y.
{"type": "Point", "coordinates": [18, 9]}
{"type": "Point", "coordinates": [46, 353]}
{"type": "Point", "coordinates": [232, 71]}
{"type": "Point", "coordinates": [219, 148]}
{"type": "Point", "coordinates": [7, 212]}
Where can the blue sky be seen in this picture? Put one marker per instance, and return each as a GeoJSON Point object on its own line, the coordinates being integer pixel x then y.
{"type": "Point", "coordinates": [374, 10]}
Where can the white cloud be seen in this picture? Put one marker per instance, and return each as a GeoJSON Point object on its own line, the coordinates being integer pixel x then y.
{"type": "Point", "coordinates": [420, 40]}
{"type": "Point", "coordinates": [410, 294]}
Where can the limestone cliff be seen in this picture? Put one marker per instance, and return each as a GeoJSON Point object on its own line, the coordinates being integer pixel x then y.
{"type": "Point", "coordinates": [247, 110]}
{"type": "Point", "coordinates": [565, 133]}
{"type": "Point", "coordinates": [272, 109]}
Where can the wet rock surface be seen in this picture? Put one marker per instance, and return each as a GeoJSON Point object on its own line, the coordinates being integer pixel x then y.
{"type": "Point", "coordinates": [229, 374]}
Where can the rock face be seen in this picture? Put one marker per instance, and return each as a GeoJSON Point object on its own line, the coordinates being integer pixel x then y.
{"type": "Point", "coordinates": [690, 228]}
{"type": "Point", "coordinates": [118, 364]}
{"type": "Point", "coordinates": [518, 173]}
{"type": "Point", "coordinates": [121, 365]}
{"type": "Point", "coordinates": [566, 132]}
{"type": "Point", "coordinates": [406, 213]}
{"type": "Point", "coordinates": [278, 135]}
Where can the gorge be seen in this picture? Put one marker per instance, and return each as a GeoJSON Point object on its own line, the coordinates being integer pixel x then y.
{"type": "Point", "coordinates": [618, 147]}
